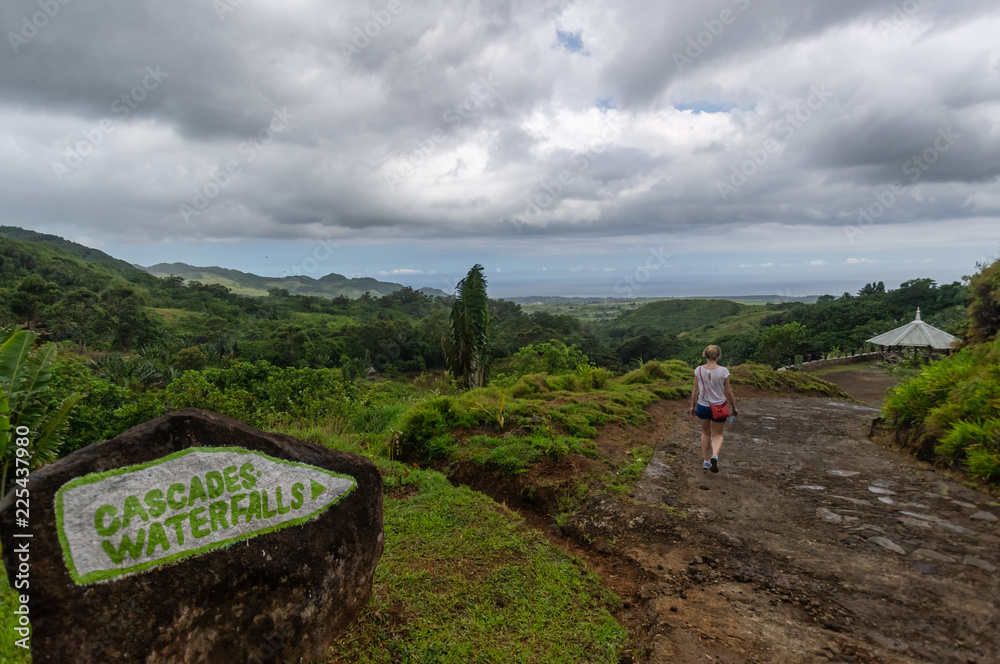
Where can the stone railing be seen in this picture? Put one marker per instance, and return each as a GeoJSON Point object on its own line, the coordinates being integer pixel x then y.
{"type": "Point", "coordinates": [835, 360]}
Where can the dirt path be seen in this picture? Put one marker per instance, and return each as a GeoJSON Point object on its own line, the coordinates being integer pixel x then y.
{"type": "Point", "coordinates": [812, 544]}
{"type": "Point", "coordinates": [867, 386]}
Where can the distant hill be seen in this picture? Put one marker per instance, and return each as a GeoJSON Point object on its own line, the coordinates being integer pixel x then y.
{"type": "Point", "coordinates": [245, 283]}
{"type": "Point", "coordinates": [87, 253]}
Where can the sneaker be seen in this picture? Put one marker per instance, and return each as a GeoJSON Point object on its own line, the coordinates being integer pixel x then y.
{"type": "Point", "coordinates": [715, 464]}
{"type": "Point", "coordinates": [705, 465]}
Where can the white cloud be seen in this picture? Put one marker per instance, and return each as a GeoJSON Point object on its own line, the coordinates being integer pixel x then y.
{"type": "Point", "coordinates": [498, 133]}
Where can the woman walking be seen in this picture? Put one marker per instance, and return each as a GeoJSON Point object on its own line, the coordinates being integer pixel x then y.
{"type": "Point", "coordinates": [711, 388]}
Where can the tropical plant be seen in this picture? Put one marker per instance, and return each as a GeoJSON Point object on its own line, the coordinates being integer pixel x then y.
{"type": "Point", "coordinates": [24, 381]}
{"type": "Point", "coordinates": [984, 303]}
{"type": "Point", "coordinates": [467, 347]}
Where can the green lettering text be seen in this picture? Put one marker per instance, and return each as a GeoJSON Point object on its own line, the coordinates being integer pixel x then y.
{"type": "Point", "coordinates": [253, 509]}
{"type": "Point", "coordinates": [267, 513]}
{"type": "Point", "coordinates": [234, 507]}
{"type": "Point", "coordinates": [157, 506]}
{"type": "Point", "coordinates": [110, 529]}
{"type": "Point", "coordinates": [232, 479]}
{"type": "Point", "coordinates": [175, 503]}
{"type": "Point", "coordinates": [133, 508]}
{"type": "Point", "coordinates": [246, 472]}
{"type": "Point", "coordinates": [133, 549]}
{"type": "Point", "coordinates": [157, 537]}
{"type": "Point", "coordinates": [216, 485]}
{"type": "Point", "coordinates": [297, 497]}
{"type": "Point", "coordinates": [217, 514]}
{"type": "Point", "coordinates": [282, 509]}
{"type": "Point", "coordinates": [197, 491]}
{"type": "Point", "coordinates": [197, 521]}
{"type": "Point", "coordinates": [177, 522]}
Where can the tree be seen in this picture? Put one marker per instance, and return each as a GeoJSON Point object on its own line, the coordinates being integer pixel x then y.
{"type": "Point", "coordinates": [780, 343]}
{"type": "Point", "coordinates": [130, 324]}
{"type": "Point", "coordinates": [467, 346]}
{"type": "Point", "coordinates": [25, 412]}
{"type": "Point", "coordinates": [873, 288]}
{"type": "Point", "coordinates": [79, 315]}
{"type": "Point", "coordinates": [984, 304]}
{"type": "Point", "coordinates": [32, 297]}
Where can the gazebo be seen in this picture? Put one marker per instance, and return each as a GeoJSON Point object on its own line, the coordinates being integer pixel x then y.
{"type": "Point", "coordinates": [915, 334]}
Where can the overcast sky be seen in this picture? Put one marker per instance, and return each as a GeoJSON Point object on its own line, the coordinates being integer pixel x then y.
{"type": "Point", "coordinates": [617, 148]}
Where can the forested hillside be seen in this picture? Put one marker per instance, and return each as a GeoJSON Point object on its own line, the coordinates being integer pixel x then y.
{"type": "Point", "coordinates": [69, 293]}
{"type": "Point", "coordinates": [244, 283]}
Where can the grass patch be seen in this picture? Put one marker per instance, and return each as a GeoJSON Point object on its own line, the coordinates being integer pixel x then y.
{"type": "Point", "coordinates": [571, 406]}
{"type": "Point", "coordinates": [463, 580]}
{"type": "Point", "coordinates": [630, 473]}
{"type": "Point", "coordinates": [512, 455]}
{"type": "Point", "coordinates": [182, 320]}
{"type": "Point", "coordinates": [765, 378]}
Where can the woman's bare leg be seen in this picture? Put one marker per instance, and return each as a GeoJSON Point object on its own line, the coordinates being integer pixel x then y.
{"type": "Point", "coordinates": [717, 429]}
{"type": "Point", "coordinates": [706, 440]}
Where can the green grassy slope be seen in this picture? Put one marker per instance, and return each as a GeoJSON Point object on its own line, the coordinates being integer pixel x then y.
{"type": "Point", "coordinates": [672, 317]}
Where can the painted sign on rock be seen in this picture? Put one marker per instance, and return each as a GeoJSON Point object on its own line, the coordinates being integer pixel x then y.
{"type": "Point", "coordinates": [195, 538]}
{"type": "Point", "coordinates": [191, 502]}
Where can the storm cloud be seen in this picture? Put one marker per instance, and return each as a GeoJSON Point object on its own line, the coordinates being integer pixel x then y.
{"type": "Point", "coordinates": [567, 122]}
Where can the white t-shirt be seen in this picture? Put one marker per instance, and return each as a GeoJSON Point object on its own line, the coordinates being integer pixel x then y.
{"type": "Point", "coordinates": [711, 385]}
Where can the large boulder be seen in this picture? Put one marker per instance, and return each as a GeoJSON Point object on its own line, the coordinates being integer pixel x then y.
{"type": "Point", "coordinates": [196, 538]}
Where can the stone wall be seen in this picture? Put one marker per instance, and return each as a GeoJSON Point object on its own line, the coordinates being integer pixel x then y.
{"type": "Point", "coordinates": [839, 361]}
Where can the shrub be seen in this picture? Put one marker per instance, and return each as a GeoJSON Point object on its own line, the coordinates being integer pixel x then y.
{"type": "Point", "coordinates": [190, 358]}
{"type": "Point", "coordinates": [552, 357]}
{"type": "Point", "coordinates": [953, 407]}
{"type": "Point", "coordinates": [964, 434]}
{"type": "Point", "coordinates": [671, 371]}
{"type": "Point", "coordinates": [427, 422]}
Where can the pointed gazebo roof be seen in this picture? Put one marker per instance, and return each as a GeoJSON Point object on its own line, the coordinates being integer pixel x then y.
{"type": "Point", "coordinates": [916, 334]}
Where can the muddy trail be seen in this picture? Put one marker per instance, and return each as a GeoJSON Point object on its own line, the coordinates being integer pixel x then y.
{"type": "Point", "coordinates": [811, 544]}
